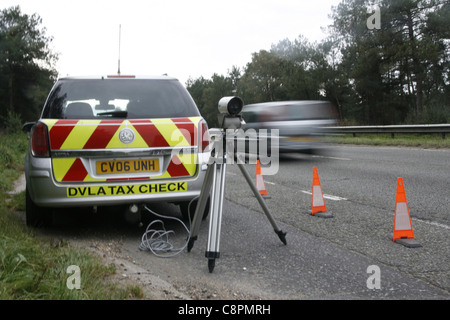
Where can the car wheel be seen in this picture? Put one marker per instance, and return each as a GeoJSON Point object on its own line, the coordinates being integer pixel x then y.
{"type": "Point", "coordinates": [186, 210]}
{"type": "Point", "coordinates": [36, 216]}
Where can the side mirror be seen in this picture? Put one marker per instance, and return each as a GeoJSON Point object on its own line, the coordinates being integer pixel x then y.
{"type": "Point", "coordinates": [27, 126]}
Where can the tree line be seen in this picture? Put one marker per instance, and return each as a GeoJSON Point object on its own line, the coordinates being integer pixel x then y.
{"type": "Point", "coordinates": [27, 69]}
{"type": "Point", "coordinates": [382, 62]}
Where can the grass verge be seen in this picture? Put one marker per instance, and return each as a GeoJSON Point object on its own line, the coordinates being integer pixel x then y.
{"type": "Point", "coordinates": [35, 268]}
{"type": "Point", "coordinates": [429, 141]}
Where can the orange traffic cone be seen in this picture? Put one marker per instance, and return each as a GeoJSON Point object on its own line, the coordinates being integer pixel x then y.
{"type": "Point", "coordinates": [403, 231]}
{"type": "Point", "coordinates": [319, 208]}
{"type": "Point", "coordinates": [260, 184]}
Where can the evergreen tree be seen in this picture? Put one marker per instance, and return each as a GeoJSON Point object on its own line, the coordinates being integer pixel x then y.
{"type": "Point", "coordinates": [26, 64]}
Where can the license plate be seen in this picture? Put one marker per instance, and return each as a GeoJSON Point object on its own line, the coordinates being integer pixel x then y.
{"type": "Point", "coordinates": [127, 166]}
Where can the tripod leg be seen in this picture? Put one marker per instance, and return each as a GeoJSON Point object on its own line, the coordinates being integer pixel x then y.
{"type": "Point", "coordinates": [201, 205]}
{"type": "Point", "coordinates": [217, 194]}
{"type": "Point", "coordinates": [281, 234]}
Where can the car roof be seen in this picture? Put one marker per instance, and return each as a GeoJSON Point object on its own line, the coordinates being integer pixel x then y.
{"type": "Point", "coordinates": [130, 77]}
{"type": "Point", "coordinates": [284, 103]}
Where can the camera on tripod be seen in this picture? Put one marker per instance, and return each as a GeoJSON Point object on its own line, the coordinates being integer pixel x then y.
{"type": "Point", "coordinates": [213, 188]}
{"type": "Point", "coordinates": [230, 109]}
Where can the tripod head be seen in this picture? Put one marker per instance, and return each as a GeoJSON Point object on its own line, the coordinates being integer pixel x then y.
{"type": "Point", "coordinates": [230, 109]}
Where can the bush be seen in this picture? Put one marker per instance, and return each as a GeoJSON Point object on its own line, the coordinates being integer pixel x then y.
{"type": "Point", "coordinates": [12, 122]}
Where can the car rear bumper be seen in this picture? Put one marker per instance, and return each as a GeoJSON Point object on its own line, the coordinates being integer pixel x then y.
{"type": "Point", "coordinates": [46, 192]}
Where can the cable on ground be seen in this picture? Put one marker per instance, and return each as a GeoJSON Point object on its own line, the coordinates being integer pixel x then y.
{"type": "Point", "coordinates": [157, 240]}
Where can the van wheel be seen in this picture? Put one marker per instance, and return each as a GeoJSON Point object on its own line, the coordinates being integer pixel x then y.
{"type": "Point", "coordinates": [186, 210]}
{"type": "Point", "coordinates": [36, 216]}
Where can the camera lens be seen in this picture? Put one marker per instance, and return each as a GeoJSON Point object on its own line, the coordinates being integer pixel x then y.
{"type": "Point", "coordinates": [234, 106]}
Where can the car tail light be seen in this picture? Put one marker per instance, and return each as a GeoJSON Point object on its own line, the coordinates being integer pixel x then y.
{"type": "Point", "coordinates": [205, 136]}
{"type": "Point", "coordinates": [39, 141]}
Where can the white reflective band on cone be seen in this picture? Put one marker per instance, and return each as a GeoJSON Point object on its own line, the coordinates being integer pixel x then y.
{"type": "Point", "coordinates": [402, 221]}
{"type": "Point", "coordinates": [317, 196]}
{"type": "Point", "coordinates": [260, 182]}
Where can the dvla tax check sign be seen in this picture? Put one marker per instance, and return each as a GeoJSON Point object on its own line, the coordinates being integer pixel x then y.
{"type": "Point", "coordinates": [118, 190]}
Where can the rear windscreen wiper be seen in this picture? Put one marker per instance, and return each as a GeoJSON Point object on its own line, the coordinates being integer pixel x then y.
{"type": "Point", "coordinates": [118, 114]}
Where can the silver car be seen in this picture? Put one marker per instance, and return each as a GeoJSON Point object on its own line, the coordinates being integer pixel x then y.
{"type": "Point", "coordinates": [299, 123]}
{"type": "Point", "coordinates": [114, 141]}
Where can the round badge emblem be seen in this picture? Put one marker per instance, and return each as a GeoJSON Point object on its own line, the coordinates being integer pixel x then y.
{"type": "Point", "coordinates": [126, 136]}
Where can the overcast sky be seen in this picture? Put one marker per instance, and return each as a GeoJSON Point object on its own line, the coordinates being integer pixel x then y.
{"type": "Point", "coordinates": [183, 38]}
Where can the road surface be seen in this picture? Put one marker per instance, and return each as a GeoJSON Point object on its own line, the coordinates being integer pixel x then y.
{"type": "Point", "coordinates": [349, 256]}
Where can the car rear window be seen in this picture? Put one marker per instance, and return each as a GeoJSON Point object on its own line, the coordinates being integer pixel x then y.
{"type": "Point", "coordinates": [289, 112]}
{"type": "Point", "coordinates": [310, 111]}
{"type": "Point", "coordinates": [119, 98]}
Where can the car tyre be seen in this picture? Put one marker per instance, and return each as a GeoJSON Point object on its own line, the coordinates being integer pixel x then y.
{"type": "Point", "coordinates": [36, 216]}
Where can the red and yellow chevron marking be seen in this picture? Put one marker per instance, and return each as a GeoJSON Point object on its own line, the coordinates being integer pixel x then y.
{"type": "Point", "coordinates": [104, 134]}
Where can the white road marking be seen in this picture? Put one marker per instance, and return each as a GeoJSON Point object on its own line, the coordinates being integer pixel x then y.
{"type": "Point", "coordinates": [437, 224]}
{"type": "Point", "coordinates": [336, 198]}
{"type": "Point", "coordinates": [327, 196]}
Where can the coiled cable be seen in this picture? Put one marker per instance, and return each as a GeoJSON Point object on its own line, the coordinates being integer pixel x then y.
{"type": "Point", "coordinates": [157, 240]}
